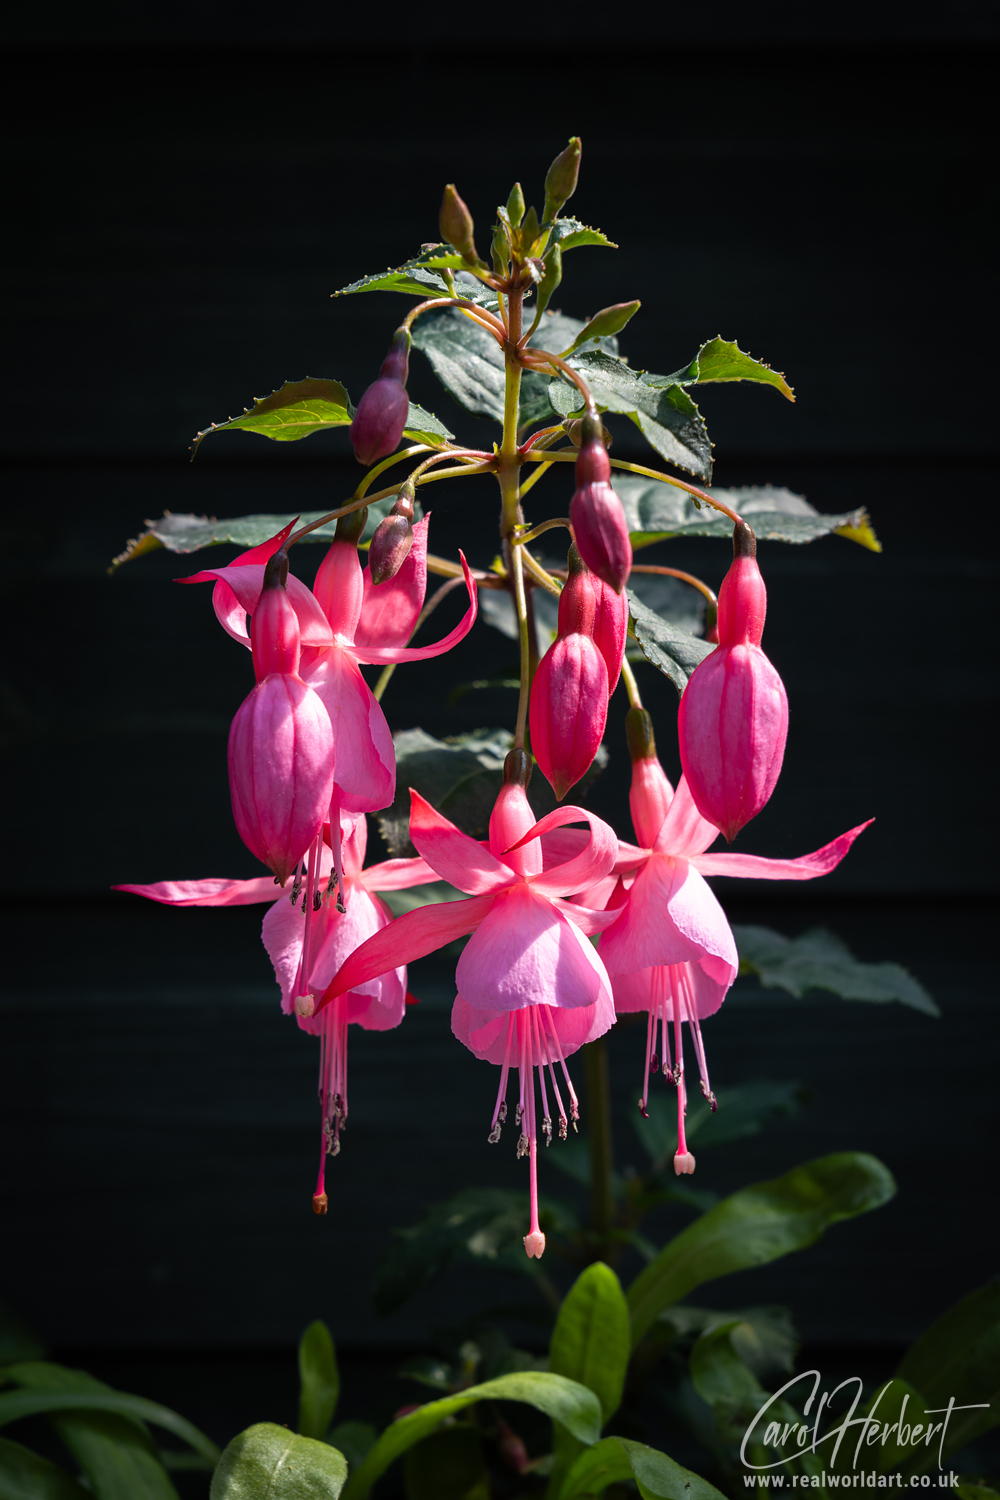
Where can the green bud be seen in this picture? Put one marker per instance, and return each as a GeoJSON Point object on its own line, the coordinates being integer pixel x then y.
{"type": "Point", "coordinates": [350, 528]}
{"type": "Point", "coordinates": [561, 179]}
{"type": "Point", "coordinates": [515, 205]}
{"type": "Point", "coordinates": [529, 231]}
{"type": "Point", "coordinates": [606, 323]}
{"type": "Point", "coordinates": [500, 251]}
{"type": "Point", "coordinates": [456, 224]}
{"type": "Point", "coordinates": [552, 276]}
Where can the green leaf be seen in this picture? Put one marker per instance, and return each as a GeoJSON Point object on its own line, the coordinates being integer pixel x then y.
{"type": "Point", "coordinates": [447, 1465]}
{"type": "Point", "coordinates": [671, 650]}
{"type": "Point", "coordinates": [819, 961]}
{"type": "Point", "coordinates": [52, 1388]}
{"type": "Point", "coordinates": [655, 510]}
{"type": "Point", "coordinates": [27, 1476]}
{"type": "Point", "coordinates": [569, 233]}
{"type": "Point", "coordinates": [757, 1225]}
{"type": "Point", "coordinates": [564, 1401]}
{"type": "Point", "coordinates": [616, 1460]}
{"type": "Point", "coordinates": [354, 1439]}
{"type": "Point", "coordinates": [591, 1344]}
{"type": "Point", "coordinates": [742, 1112]}
{"type": "Point", "coordinates": [959, 1358]}
{"type": "Point", "coordinates": [190, 533]}
{"type": "Point", "coordinates": [267, 1462]}
{"type": "Point", "coordinates": [723, 1381]}
{"type": "Point", "coordinates": [764, 1338]}
{"type": "Point", "coordinates": [420, 277]}
{"type": "Point", "coordinates": [665, 415]}
{"type": "Point", "coordinates": [302, 407]}
{"type": "Point", "coordinates": [719, 360]}
{"type": "Point", "coordinates": [469, 363]}
{"type": "Point", "coordinates": [319, 1381]}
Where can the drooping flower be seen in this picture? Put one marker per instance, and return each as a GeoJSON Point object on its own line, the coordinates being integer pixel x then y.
{"type": "Point", "coordinates": [531, 989]}
{"type": "Point", "coordinates": [345, 622]}
{"type": "Point", "coordinates": [599, 526]}
{"type": "Point", "coordinates": [671, 951]}
{"type": "Point", "coordinates": [380, 418]}
{"type": "Point", "coordinates": [733, 717]}
{"type": "Point", "coordinates": [308, 937]}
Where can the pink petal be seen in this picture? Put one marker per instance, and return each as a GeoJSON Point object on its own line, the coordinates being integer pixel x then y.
{"type": "Point", "coordinates": [398, 874]}
{"type": "Point", "coordinates": [246, 581]}
{"type": "Point", "coordinates": [634, 991]}
{"type": "Point", "coordinates": [390, 611]}
{"type": "Point", "coordinates": [383, 655]}
{"type": "Point", "coordinates": [671, 917]}
{"type": "Point", "coordinates": [684, 831]}
{"type": "Point", "coordinates": [209, 892]}
{"type": "Point", "coordinates": [525, 952]}
{"type": "Point", "coordinates": [366, 759]}
{"type": "Point", "coordinates": [338, 589]}
{"type": "Point", "coordinates": [485, 1032]}
{"type": "Point", "coordinates": [229, 611]}
{"type": "Point", "coordinates": [589, 919]}
{"type": "Point", "coordinates": [411, 936]}
{"type": "Point", "coordinates": [457, 858]}
{"type": "Point", "coordinates": [806, 867]}
{"type": "Point", "coordinates": [594, 862]}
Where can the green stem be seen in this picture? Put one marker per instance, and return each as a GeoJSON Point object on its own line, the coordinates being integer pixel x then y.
{"type": "Point", "coordinates": [631, 686]}
{"type": "Point", "coordinates": [598, 1086]}
{"type": "Point", "coordinates": [508, 473]}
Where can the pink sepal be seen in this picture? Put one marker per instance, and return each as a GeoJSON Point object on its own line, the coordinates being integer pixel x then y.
{"type": "Point", "coordinates": [413, 935]}
{"type": "Point", "coordinates": [593, 862]}
{"type": "Point", "coordinates": [589, 920]}
{"type": "Point", "coordinates": [390, 611]}
{"type": "Point", "coordinates": [398, 874]}
{"type": "Point", "coordinates": [484, 1032]}
{"type": "Point", "coordinates": [212, 891]}
{"type": "Point", "coordinates": [384, 655]}
{"type": "Point", "coordinates": [459, 859]}
{"type": "Point", "coordinates": [756, 867]}
{"type": "Point", "coordinates": [366, 759]}
{"type": "Point", "coordinates": [228, 609]}
{"type": "Point", "coordinates": [246, 581]}
{"type": "Point", "coordinates": [684, 831]}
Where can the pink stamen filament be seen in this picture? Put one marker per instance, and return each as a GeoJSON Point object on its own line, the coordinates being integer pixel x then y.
{"type": "Point", "coordinates": [699, 1046]}
{"type": "Point", "coordinates": [539, 1040]}
{"type": "Point", "coordinates": [332, 1080]}
{"type": "Point", "coordinates": [500, 1112]}
{"type": "Point", "coordinates": [336, 881]}
{"type": "Point", "coordinates": [679, 1070]}
{"type": "Point", "coordinates": [301, 987]}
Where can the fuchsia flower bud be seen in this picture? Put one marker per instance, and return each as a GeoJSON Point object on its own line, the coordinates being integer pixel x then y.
{"type": "Point", "coordinates": [733, 717]}
{"type": "Point", "coordinates": [599, 527]}
{"type": "Point", "coordinates": [381, 413]}
{"type": "Point", "coordinates": [650, 794]}
{"type": "Point", "coordinates": [569, 696]}
{"type": "Point", "coordinates": [393, 538]}
{"type": "Point", "coordinates": [281, 740]}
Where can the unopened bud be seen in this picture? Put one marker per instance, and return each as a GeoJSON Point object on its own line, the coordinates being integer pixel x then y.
{"type": "Point", "coordinates": [683, 1163]}
{"type": "Point", "coordinates": [589, 605]}
{"type": "Point", "coordinates": [573, 429]}
{"type": "Point", "coordinates": [512, 1450]}
{"type": "Point", "coordinates": [561, 179]}
{"type": "Point", "coordinates": [515, 205]}
{"type": "Point", "coordinates": [516, 768]}
{"type": "Point", "coordinates": [605, 324]}
{"type": "Point", "coordinates": [551, 276]}
{"type": "Point", "coordinates": [275, 637]}
{"type": "Point", "coordinates": [534, 1244]}
{"type": "Point", "coordinates": [500, 250]}
{"type": "Point", "coordinates": [381, 413]}
{"type": "Point", "coordinates": [599, 527]}
{"type": "Point", "coordinates": [393, 539]}
{"type": "Point", "coordinates": [568, 710]}
{"type": "Point", "coordinates": [529, 230]}
{"type": "Point", "coordinates": [456, 224]}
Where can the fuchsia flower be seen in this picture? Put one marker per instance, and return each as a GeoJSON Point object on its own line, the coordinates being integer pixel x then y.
{"type": "Point", "coordinates": [671, 951]}
{"type": "Point", "coordinates": [308, 942]}
{"type": "Point", "coordinates": [380, 418]}
{"type": "Point", "coordinates": [345, 622]}
{"type": "Point", "coordinates": [599, 526]}
{"type": "Point", "coordinates": [531, 988]}
{"type": "Point", "coordinates": [733, 717]}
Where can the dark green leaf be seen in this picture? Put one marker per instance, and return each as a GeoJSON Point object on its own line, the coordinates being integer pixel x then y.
{"type": "Point", "coordinates": [302, 407]}
{"type": "Point", "coordinates": [655, 510]}
{"type": "Point", "coordinates": [564, 1401]}
{"type": "Point", "coordinates": [741, 1112]}
{"type": "Point", "coordinates": [974, 1492]}
{"type": "Point", "coordinates": [319, 1381]}
{"type": "Point", "coordinates": [673, 651]}
{"type": "Point", "coordinates": [568, 233]}
{"type": "Point", "coordinates": [723, 1381]}
{"type": "Point", "coordinates": [17, 1341]}
{"type": "Point", "coordinates": [354, 1439]}
{"type": "Point", "coordinates": [959, 1357]}
{"type": "Point", "coordinates": [819, 961]}
{"type": "Point", "coordinates": [666, 415]}
{"type": "Point", "coordinates": [267, 1462]}
{"type": "Point", "coordinates": [426, 1370]}
{"type": "Point", "coordinates": [757, 1225]}
{"type": "Point", "coordinates": [26, 1476]}
{"type": "Point", "coordinates": [469, 363]}
{"type": "Point", "coordinates": [420, 277]}
{"type": "Point", "coordinates": [591, 1344]}
{"type": "Point", "coordinates": [719, 360]}
{"type": "Point", "coordinates": [616, 1460]}
{"type": "Point", "coordinates": [189, 533]}
{"type": "Point", "coordinates": [764, 1338]}
{"type": "Point", "coordinates": [447, 1465]}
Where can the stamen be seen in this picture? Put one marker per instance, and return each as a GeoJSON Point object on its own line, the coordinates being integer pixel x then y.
{"type": "Point", "coordinates": [536, 1027]}
{"type": "Point", "coordinates": [574, 1103]}
{"type": "Point", "coordinates": [699, 1046]}
{"type": "Point", "coordinates": [335, 845]}
{"type": "Point", "coordinates": [683, 1159]}
{"type": "Point", "coordinates": [302, 999]}
{"type": "Point", "coordinates": [650, 1044]}
{"type": "Point", "coordinates": [500, 1112]}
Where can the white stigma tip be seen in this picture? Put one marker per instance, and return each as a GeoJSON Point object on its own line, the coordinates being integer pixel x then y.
{"type": "Point", "coordinates": [534, 1245]}
{"type": "Point", "coordinates": [683, 1162]}
{"type": "Point", "coordinates": [305, 1005]}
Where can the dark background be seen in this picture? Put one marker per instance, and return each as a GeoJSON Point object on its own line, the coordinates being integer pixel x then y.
{"type": "Point", "coordinates": [186, 186]}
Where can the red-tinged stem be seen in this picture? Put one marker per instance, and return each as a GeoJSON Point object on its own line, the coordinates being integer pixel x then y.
{"type": "Point", "coordinates": [480, 463]}
{"type": "Point", "coordinates": [695, 583]}
{"type": "Point", "coordinates": [567, 455]}
{"type": "Point", "coordinates": [471, 309]}
{"type": "Point", "coordinates": [537, 359]}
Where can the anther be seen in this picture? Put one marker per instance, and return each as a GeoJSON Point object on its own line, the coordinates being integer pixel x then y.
{"type": "Point", "coordinates": [654, 1064]}
{"type": "Point", "coordinates": [713, 1103]}
{"type": "Point", "coordinates": [547, 1127]}
{"type": "Point", "coordinates": [502, 1113]}
{"type": "Point", "coordinates": [319, 1203]}
{"type": "Point", "coordinates": [519, 1111]}
{"type": "Point", "coordinates": [317, 900]}
{"type": "Point", "coordinates": [522, 1147]}
{"type": "Point", "coordinates": [643, 1110]}
{"type": "Point", "coordinates": [494, 1134]}
{"type": "Point", "coordinates": [562, 1127]}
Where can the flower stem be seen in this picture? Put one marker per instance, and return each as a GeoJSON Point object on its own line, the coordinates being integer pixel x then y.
{"type": "Point", "coordinates": [631, 686]}
{"type": "Point", "coordinates": [568, 455]}
{"type": "Point", "coordinates": [529, 536]}
{"type": "Point", "coordinates": [602, 1198]}
{"type": "Point", "coordinates": [695, 583]}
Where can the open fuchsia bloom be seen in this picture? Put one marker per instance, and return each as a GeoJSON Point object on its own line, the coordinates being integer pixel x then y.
{"type": "Point", "coordinates": [377, 428]}
{"type": "Point", "coordinates": [532, 990]}
{"type": "Point", "coordinates": [671, 951]}
{"type": "Point", "coordinates": [348, 621]}
{"type": "Point", "coordinates": [308, 937]}
{"type": "Point", "coordinates": [733, 717]}
{"type": "Point", "coordinates": [599, 527]}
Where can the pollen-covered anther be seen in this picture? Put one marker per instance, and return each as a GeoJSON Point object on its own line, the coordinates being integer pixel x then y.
{"type": "Point", "coordinates": [563, 1124]}
{"type": "Point", "coordinates": [534, 1244]}
{"type": "Point", "coordinates": [547, 1127]}
{"type": "Point", "coordinates": [523, 1147]}
{"type": "Point", "coordinates": [319, 1203]}
{"type": "Point", "coordinates": [502, 1113]}
{"type": "Point", "coordinates": [709, 1094]}
{"type": "Point", "coordinates": [643, 1110]}
{"type": "Point", "coordinates": [305, 1005]}
{"type": "Point", "coordinates": [494, 1134]}
{"type": "Point", "coordinates": [684, 1163]}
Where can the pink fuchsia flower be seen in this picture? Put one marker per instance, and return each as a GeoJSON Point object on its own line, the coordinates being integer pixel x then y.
{"type": "Point", "coordinates": [532, 990]}
{"type": "Point", "coordinates": [733, 717]}
{"type": "Point", "coordinates": [281, 740]}
{"type": "Point", "coordinates": [599, 526]}
{"type": "Point", "coordinates": [308, 938]}
{"type": "Point", "coordinates": [671, 952]}
{"type": "Point", "coordinates": [381, 413]}
{"type": "Point", "coordinates": [346, 622]}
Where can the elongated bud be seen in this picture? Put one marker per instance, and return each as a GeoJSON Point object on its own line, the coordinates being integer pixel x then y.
{"type": "Point", "coordinates": [651, 794]}
{"type": "Point", "coordinates": [456, 224]}
{"type": "Point", "coordinates": [515, 205]}
{"type": "Point", "coordinates": [339, 585]}
{"type": "Point", "coordinates": [733, 718]}
{"type": "Point", "coordinates": [512, 817]}
{"type": "Point", "coordinates": [605, 324]}
{"type": "Point", "coordinates": [592, 607]}
{"type": "Point", "coordinates": [275, 638]}
{"type": "Point", "coordinates": [599, 527]}
{"type": "Point", "coordinates": [393, 538]}
{"type": "Point", "coordinates": [561, 179]}
{"type": "Point", "coordinates": [380, 418]}
{"type": "Point", "coordinates": [568, 710]}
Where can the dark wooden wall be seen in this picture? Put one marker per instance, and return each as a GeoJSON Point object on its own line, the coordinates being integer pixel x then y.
{"type": "Point", "coordinates": [187, 189]}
